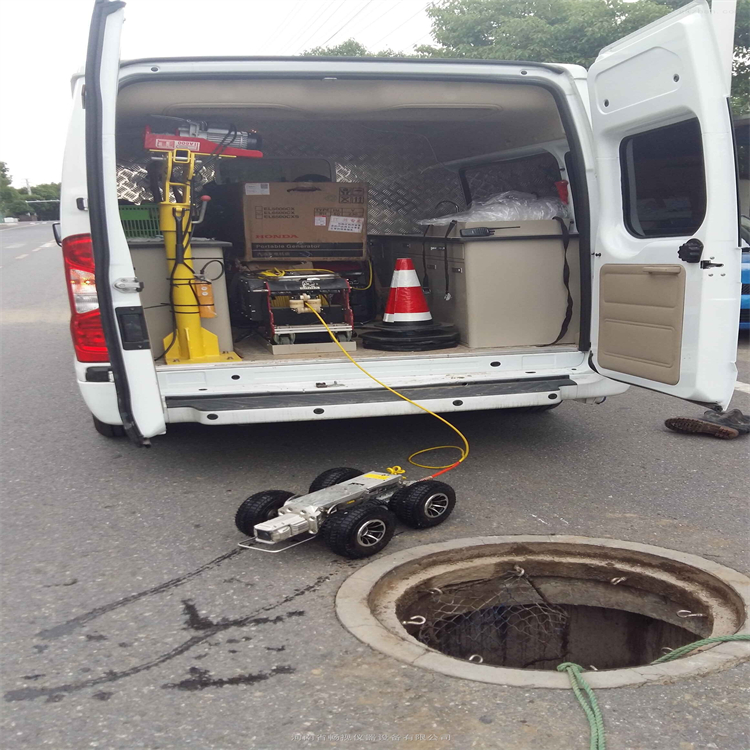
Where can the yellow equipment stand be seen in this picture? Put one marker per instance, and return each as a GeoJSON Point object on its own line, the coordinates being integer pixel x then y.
{"type": "Point", "coordinates": [190, 343]}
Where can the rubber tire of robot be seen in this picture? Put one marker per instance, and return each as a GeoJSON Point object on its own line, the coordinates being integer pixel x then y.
{"type": "Point", "coordinates": [262, 506]}
{"type": "Point", "coordinates": [339, 531]}
{"type": "Point", "coordinates": [333, 476]}
{"type": "Point", "coordinates": [108, 430]}
{"type": "Point", "coordinates": [409, 503]}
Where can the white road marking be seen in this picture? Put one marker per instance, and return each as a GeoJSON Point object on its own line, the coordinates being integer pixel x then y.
{"type": "Point", "coordinates": [39, 316]}
{"type": "Point", "coordinates": [539, 519]}
{"type": "Point", "coordinates": [744, 387]}
{"type": "Point", "coordinates": [14, 246]}
{"type": "Point", "coordinates": [22, 255]}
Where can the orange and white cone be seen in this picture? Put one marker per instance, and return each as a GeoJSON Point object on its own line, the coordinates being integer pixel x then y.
{"type": "Point", "coordinates": [406, 302]}
{"type": "Point", "coordinates": [407, 322]}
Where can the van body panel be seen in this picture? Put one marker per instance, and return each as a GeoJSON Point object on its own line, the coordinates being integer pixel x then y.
{"type": "Point", "coordinates": [140, 403]}
{"type": "Point", "coordinates": [663, 318]}
{"type": "Point", "coordinates": [701, 366]}
{"type": "Point", "coordinates": [339, 374]}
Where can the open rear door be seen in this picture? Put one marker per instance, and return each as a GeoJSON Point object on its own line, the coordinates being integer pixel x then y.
{"type": "Point", "coordinates": [666, 249]}
{"type": "Point", "coordinates": [138, 395]}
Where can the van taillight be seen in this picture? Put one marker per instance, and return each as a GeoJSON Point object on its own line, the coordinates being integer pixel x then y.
{"type": "Point", "coordinates": [85, 318]}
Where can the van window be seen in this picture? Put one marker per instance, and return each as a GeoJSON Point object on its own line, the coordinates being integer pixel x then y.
{"type": "Point", "coordinates": [663, 181]}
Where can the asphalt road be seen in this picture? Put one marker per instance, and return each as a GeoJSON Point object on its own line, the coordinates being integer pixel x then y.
{"type": "Point", "coordinates": [132, 620]}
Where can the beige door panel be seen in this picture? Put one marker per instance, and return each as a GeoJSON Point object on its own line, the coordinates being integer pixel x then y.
{"type": "Point", "coordinates": [641, 310]}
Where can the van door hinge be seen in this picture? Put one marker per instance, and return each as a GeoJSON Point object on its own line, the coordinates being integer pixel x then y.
{"type": "Point", "coordinates": [82, 204]}
{"type": "Point", "coordinates": [130, 284]}
{"type": "Point", "coordinates": [708, 264]}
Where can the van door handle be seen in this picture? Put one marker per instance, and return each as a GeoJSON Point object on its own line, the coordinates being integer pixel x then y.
{"type": "Point", "coordinates": [672, 270]}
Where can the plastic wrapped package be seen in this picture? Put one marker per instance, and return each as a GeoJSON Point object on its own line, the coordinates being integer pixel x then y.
{"type": "Point", "coordinates": [508, 206]}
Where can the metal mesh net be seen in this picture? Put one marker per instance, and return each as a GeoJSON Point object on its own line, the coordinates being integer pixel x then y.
{"type": "Point", "coordinates": [503, 621]}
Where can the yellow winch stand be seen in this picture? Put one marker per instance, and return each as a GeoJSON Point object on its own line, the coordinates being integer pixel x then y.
{"type": "Point", "coordinates": [190, 343]}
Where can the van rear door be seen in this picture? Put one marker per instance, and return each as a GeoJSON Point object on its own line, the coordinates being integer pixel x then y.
{"type": "Point", "coordinates": [138, 396]}
{"type": "Point", "coordinates": [666, 250]}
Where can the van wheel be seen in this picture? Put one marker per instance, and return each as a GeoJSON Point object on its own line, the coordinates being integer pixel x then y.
{"type": "Point", "coordinates": [361, 532]}
{"type": "Point", "coordinates": [262, 506]}
{"type": "Point", "coordinates": [108, 430]}
{"type": "Point", "coordinates": [535, 409]}
{"type": "Point", "coordinates": [423, 504]}
{"type": "Point", "coordinates": [333, 476]}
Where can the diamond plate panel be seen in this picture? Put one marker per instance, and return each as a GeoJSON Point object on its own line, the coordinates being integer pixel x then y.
{"type": "Point", "coordinates": [394, 163]}
{"type": "Point", "coordinates": [532, 174]}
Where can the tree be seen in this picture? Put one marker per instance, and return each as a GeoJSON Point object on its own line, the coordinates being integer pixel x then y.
{"type": "Point", "coordinates": [741, 66]}
{"type": "Point", "coordinates": [349, 48]}
{"type": "Point", "coordinates": [566, 31]}
{"type": "Point", "coordinates": [11, 200]}
{"type": "Point", "coordinates": [48, 191]}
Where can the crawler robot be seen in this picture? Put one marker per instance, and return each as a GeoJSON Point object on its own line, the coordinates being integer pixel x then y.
{"type": "Point", "coordinates": [354, 512]}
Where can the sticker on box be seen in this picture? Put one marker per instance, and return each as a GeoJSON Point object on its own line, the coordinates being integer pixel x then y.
{"type": "Point", "coordinates": [257, 188]}
{"type": "Point", "coordinates": [346, 224]}
{"type": "Point", "coordinates": [351, 195]}
{"type": "Point", "coordinates": [320, 221]}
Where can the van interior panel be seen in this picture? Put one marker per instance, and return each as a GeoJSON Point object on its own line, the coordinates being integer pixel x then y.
{"type": "Point", "coordinates": [424, 149]}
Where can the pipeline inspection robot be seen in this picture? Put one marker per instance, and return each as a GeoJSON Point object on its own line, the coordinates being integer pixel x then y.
{"type": "Point", "coordinates": [354, 512]}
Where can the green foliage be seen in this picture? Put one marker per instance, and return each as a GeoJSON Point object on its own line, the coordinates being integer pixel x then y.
{"type": "Point", "coordinates": [349, 48]}
{"type": "Point", "coordinates": [741, 66]}
{"type": "Point", "coordinates": [565, 31]}
{"type": "Point", "coordinates": [570, 31]}
{"type": "Point", "coordinates": [45, 191]}
{"type": "Point", "coordinates": [12, 202]}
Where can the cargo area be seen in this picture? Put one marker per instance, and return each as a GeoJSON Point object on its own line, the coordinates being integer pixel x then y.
{"type": "Point", "coordinates": [394, 161]}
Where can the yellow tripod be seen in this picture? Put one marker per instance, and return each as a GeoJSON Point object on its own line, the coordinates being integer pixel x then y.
{"type": "Point", "coordinates": [190, 342]}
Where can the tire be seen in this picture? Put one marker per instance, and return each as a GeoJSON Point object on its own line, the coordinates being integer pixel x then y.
{"type": "Point", "coordinates": [108, 430]}
{"type": "Point", "coordinates": [333, 476]}
{"type": "Point", "coordinates": [535, 409]}
{"type": "Point", "coordinates": [352, 533]}
{"type": "Point", "coordinates": [423, 505]}
{"type": "Point", "coordinates": [262, 506]}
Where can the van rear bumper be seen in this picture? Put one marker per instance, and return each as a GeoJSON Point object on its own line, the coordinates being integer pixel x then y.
{"type": "Point", "coordinates": [347, 404]}
{"type": "Point", "coordinates": [288, 406]}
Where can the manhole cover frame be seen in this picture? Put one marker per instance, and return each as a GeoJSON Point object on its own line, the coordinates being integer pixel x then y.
{"type": "Point", "coordinates": [386, 635]}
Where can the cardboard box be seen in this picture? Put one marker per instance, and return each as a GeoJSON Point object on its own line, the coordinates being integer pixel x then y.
{"type": "Point", "coordinates": [293, 221]}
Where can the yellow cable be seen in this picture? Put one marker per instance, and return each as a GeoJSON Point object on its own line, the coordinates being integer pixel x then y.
{"type": "Point", "coordinates": [463, 451]}
{"type": "Point", "coordinates": [369, 283]}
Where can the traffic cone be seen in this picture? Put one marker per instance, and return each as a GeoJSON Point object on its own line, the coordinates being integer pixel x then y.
{"type": "Point", "coordinates": [407, 322]}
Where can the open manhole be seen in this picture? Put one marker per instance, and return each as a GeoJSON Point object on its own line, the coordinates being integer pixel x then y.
{"type": "Point", "coordinates": [509, 610]}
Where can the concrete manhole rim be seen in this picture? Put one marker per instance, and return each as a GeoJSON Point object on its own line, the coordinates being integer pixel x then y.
{"type": "Point", "coordinates": [353, 611]}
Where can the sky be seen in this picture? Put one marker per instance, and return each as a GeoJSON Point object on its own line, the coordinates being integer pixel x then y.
{"type": "Point", "coordinates": [43, 42]}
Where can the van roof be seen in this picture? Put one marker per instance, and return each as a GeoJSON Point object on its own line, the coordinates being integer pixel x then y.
{"type": "Point", "coordinates": [558, 68]}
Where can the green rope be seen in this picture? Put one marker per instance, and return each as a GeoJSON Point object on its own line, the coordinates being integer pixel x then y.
{"type": "Point", "coordinates": [588, 702]}
{"type": "Point", "coordinates": [682, 650]}
{"type": "Point", "coordinates": [587, 699]}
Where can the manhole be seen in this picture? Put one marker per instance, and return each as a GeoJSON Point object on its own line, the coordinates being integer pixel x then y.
{"type": "Point", "coordinates": [508, 610]}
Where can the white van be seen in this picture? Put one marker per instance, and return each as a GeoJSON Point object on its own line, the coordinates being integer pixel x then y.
{"type": "Point", "coordinates": [643, 139]}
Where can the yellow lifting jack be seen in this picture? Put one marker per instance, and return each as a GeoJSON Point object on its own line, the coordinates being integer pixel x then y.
{"type": "Point", "coordinates": [190, 295]}
{"type": "Point", "coordinates": [190, 342]}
